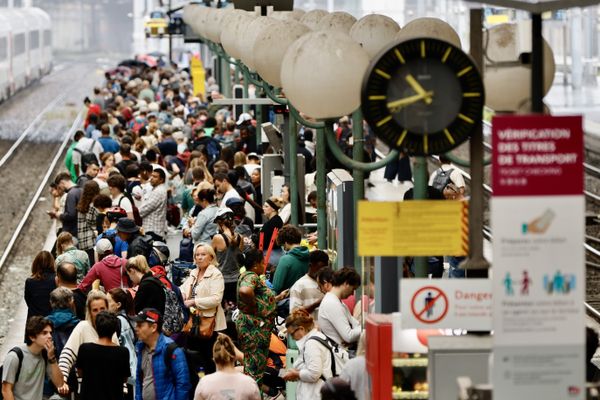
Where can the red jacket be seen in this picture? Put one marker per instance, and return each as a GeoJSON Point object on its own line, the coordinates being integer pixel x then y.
{"type": "Point", "coordinates": [111, 272]}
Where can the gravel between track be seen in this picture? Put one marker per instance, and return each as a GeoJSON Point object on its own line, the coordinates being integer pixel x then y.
{"type": "Point", "coordinates": [22, 174]}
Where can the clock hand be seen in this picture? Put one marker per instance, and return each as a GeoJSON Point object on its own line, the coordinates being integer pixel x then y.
{"type": "Point", "coordinates": [394, 105]}
{"type": "Point", "coordinates": [417, 87]}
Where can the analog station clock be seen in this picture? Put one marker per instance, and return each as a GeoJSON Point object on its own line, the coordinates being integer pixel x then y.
{"type": "Point", "coordinates": [424, 96]}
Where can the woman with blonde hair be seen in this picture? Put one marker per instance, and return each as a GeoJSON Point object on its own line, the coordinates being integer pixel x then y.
{"type": "Point", "coordinates": [150, 292]}
{"type": "Point", "coordinates": [313, 365]}
{"type": "Point", "coordinates": [226, 379]}
{"type": "Point", "coordinates": [239, 159]}
{"type": "Point", "coordinates": [202, 293]}
{"type": "Point", "coordinates": [84, 332]}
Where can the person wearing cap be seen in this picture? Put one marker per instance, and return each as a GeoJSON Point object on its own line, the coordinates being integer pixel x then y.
{"type": "Point", "coordinates": [239, 212]}
{"type": "Point", "coordinates": [129, 232]}
{"type": "Point", "coordinates": [155, 379]}
{"type": "Point", "coordinates": [253, 162]}
{"type": "Point", "coordinates": [110, 269]}
{"type": "Point", "coordinates": [227, 246]}
{"type": "Point", "coordinates": [154, 208]}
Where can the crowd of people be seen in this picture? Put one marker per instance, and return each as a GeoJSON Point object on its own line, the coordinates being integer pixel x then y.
{"type": "Point", "coordinates": [111, 316]}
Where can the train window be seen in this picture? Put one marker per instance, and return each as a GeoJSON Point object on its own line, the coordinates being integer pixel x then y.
{"type": "Point", "coordinates": [3, 49]}
{"type": "Point", "coordinates": [47, 38]}
{"type": "Point", "coordinates": [34, 40]}
{"type": "Point", "coordinates": [19, 44]}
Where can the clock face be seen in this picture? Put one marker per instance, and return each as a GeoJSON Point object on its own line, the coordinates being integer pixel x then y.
{"type": "Point", "coordinates": [424, 96]}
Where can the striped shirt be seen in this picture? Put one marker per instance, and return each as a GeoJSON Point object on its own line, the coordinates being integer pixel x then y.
{"type": "Point", "coordinates": [305, 292]}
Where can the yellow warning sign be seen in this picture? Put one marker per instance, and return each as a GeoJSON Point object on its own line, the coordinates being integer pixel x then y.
{"type": "Point", "coordinates": [198, 77]}
{"type": "Point", "coordinates": [412, 228]}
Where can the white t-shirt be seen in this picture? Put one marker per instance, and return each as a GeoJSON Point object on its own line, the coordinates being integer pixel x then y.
{"type": "Point", "coordinates": [123, 202]}
{"type": "Point", "coordinates": [85, 145]}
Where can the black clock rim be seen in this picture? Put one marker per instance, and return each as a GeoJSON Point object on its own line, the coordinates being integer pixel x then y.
{"type": "Point", "coordinates": [419, 150]}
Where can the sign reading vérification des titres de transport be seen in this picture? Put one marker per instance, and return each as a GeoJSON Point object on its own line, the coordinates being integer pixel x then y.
{"type": "Point", "coordinates": [539, 278]}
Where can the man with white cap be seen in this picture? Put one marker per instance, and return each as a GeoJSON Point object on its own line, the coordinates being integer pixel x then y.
{"type": "Point", "coordinates": [110, 269]}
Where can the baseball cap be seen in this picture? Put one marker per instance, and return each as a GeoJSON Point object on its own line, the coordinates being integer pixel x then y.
{"type": "Point", "coordinates": [234, 201]}
{"type": "Point", "coordinates": [103, 246]}
{"type": "Point", "coordinates": [151, 315]}
{"type": "Point", "coordinates": [243, 118]}
{"type": "Point", "coordinates": [253, 156]}
{"type": "Point", "coordinates": [222, 212]}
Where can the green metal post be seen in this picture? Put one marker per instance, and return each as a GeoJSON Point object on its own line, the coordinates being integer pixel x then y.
{"type": "Point", "coordinates": [293, 159]}
{"type": "Point", "coordinates": [421, 176]}
{"type": "Point", "coordinates": [358, 193]}
{"type": "Point", "coordinates": [246, 107]}
{"type": "Point", "coordinates": [236, 75]}
{"type": "Point", "coordinates": [259, 121]}
{"type": "Point", "coordinates": [225, 77]}
{"type": "Point", "coordinates": [321, 194]}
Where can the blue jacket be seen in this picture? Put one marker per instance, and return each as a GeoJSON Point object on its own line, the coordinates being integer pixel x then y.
{"type": "Point", "coordinates": [170, 383]}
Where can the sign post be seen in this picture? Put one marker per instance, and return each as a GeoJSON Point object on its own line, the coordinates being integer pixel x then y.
{"type": "Point", "coordinates": [538, 213]}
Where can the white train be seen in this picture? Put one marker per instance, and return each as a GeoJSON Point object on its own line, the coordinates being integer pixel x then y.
{"type": "Point", "coordinates": [25, 48]}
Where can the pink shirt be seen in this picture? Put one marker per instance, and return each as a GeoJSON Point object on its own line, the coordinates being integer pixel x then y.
{"type": "Point", "coordinates": [227, 385]}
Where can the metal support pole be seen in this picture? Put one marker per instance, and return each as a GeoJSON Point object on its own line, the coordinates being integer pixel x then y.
{"type": "Point", "coordinates": [321, 194]}
{"type": "Point", "coordinates": [246, 107]}
{"type": "Point", "coordinates": [236, 75]}
{"type": "Point", "coordinates": [537, 64]}
{"type": "Point", "coordinates": [225, 77]}
{"type": "Point", "coordinates": [293, 160]}
{"type": "Point", "coordinates": [170, 39]}
{"type": "Point", "coordinates": [476, 264]}
{"type": "Point", "coordinates": [421, 176]}
{"type": "Point", "coordinates": [259, 122]}
{"type": "Point", "coordinates": [358, 189]}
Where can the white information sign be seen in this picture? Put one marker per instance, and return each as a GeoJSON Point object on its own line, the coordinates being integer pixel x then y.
{"type": "Point", "coordinates": [446, 303]}
{"type": "Point", "coordinates": [539, 289]}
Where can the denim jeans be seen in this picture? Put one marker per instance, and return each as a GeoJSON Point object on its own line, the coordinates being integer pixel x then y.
{"type": "Point", "coordinates": [454, 271]}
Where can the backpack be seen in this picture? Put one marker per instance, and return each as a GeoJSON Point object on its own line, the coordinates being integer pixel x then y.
{"type": "Point", "coordinates": [339, 355]}
{"type": "Point", "coordinates": [174, 316]}
{"type": "Point", "coordinates": [136, 212]}
{"type": "Point", "coordinates": [87, 156]}
{"type": "Point", "coordinates": [140, 245]}
{"type": "Point", "coordinates": [194, 361]}
{"type": "Point", "coordinates": [442, 179]}
{"type": "Point", "coordinates": [19, 353]}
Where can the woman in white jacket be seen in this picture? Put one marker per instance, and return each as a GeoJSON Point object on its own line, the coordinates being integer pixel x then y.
{"type": "Point", "coordinates": [313, 366]}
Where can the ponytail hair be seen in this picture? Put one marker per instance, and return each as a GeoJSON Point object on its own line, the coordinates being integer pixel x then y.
{"type": "Point", "coordinates": [300, 318]}
{"type": "Point", "coordinates": [224, 350]}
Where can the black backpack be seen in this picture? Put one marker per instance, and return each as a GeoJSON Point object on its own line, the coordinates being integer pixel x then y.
{"type": "Point", "coordinates": [442, 179]}
{"type": "Point", "coordinates": [19, 353]}
{"type": "Point", "coordinates": [194, 363]}
{"type": "Point", "coordinates": [87, 156]}
{"type": "Point", "coordinates": [140, 245]}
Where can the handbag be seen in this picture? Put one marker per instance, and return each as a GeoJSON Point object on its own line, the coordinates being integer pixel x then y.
{"type": "Point", "coordinates": [197, 325]}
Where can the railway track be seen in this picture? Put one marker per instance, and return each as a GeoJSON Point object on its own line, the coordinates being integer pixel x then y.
{"type": "Point", "coordinates": [48, 168]}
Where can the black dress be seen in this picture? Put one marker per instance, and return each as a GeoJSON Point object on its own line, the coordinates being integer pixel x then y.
{"type": "Point", "coordinates": [267, 230]}
{"type": "Point", "coordinates": [37, 295]}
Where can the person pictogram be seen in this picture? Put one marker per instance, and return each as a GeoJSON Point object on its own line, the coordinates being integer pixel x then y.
{"type": "Point", "coordinates": [429, 304]}
{"type": "Point", "coordinates": [525, 282]}
{"type": "Point", "coordinates": [508, 285]}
